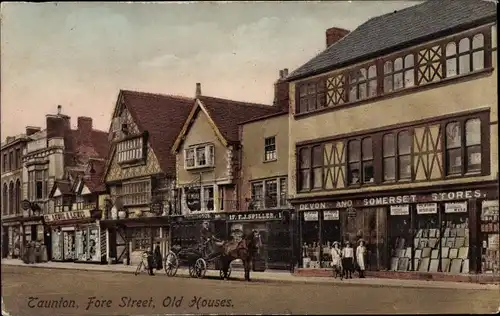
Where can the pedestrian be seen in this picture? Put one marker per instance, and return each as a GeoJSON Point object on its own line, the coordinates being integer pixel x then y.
{"type": "Point", "coordinates": [361, 257]}
{"type": "Point", "coordinates": [150, 260]}
{"type": "Point", "coordinates": [348, 260]}
{"type": "Point", "coordinates": [337, 259]}
{"type": "Point", "coordinates": [158, 257]}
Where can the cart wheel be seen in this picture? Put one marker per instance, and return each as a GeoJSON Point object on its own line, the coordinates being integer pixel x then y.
{"type": "Point", "coordinates": [138, 269]}
{"type": "Point", "coordinates": [171, 264]}
{"type": "Point", "coordinates": [192, 270]}
{"type": "Point", "coordinates": [200, 268]}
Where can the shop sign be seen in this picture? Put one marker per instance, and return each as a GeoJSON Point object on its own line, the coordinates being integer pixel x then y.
{"type": "Point", "coordinates": [457, 195]}
{"type": "Point", "coordinates": [312, 206]}
{"type": "Point", "coordinates": [388, 200]}
{"type": "Point", "coordinates": [65, 216]}
{"type": "Point", "coordinates": [351, 212]}
{"type": "Point", "coordinates": [255, 216]}
{"type": "Point", "coordinates": [331, 215]}
{"type": "Point", "coordinates": [427, 208]}
{"type": "Point", "coordinates": [193, 198]}
{"type": "Point", "coordinates": [490, 208]}
{"type": "Point", "coordinates": [199, 216]}
{"type": "Point", "coordinates": [455, 207]}
{"type": "Point", "coordinates": [310, 216]}
{"type": "Point", "coordinates": [400, 209]}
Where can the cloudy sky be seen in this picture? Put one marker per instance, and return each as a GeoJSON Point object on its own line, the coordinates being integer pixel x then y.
{"type": "Point", "coordinates": [80, 55]}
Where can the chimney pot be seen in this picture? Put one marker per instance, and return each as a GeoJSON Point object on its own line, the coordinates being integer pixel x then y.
{"type": "Point", "coordinates": [198, 89]}
{"type": "Point", "coordinates": [285, 72]}
{"type": "Point", "coordinates": [59, 109]}
{"type": "Point", "coordinates": [281, 74]}
{"type": "Point", "coordinates": [334, 34]}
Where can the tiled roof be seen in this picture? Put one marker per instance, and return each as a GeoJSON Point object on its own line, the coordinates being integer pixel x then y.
{"type": "Point", "coordinates": [63, 186]}
{"type": "Point", "coordinates": [406, 26]}
{"type": "Point", "coordinates": [227, 114]}
{"type": "Point", "coordinates": [94, 182]}
{"type": "Point", "coordinates": [162, 116]}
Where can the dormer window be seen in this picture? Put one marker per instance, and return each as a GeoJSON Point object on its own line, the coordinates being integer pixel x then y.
{"type": "Point", "coordinates": [130, 150]}
{"type": "Point", "coordinates": [200, 156]}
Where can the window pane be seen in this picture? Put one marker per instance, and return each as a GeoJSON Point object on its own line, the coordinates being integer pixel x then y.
{"type": "Point", "coordinates": [473, 132]}
{"type": "Point", "coordinates": [451, 67]}
{"type": "Point", "coordinates": [409, 61]}
{"type": "Point", "coordinates": [451, 49]}
{"type": "Point", "coordinates": [354, 150]}
{"type": "Point", "coordinates": [388, 145]}
{"type": "Point", "coordinates": [320, 101]}
{"type": "Point", "coordinates": [304, 180]}
{"type": "Point", "coordinates": [303, 105]}
{"type": "Point", "coordinates": [311, 89]}
{"type": "Point", "coordinates": [454, 161]}
{"type": "Point", "coordinates": [478, 60]}
{"type": "Point", "coordinates": [478, 41]}
{"type": "Point", "coordinates": [372, 72]}
{"type": "Point", "coordinates": [405, 167]}
{"type": "Point", "coordinates": [305, 159]}
{"type": "Point", "coordinates": [368, 172]}
{"type": "Point", "coordinates": [317, 156]}
{"type": "Point", "coordinates": [367, 148]}
{"type": "Point", "coordinates": [362, 90]}
{"type": "Point", "coordinates": [494, 36]}
{"type": "Point", "coordinates": [398, 81]}
{"type": "Point", "coordinates": [464, 45]}
{"type": "Point", "coordinates": [317, 178]}
{"type": "Point", "coordinates": [372, 88]}
{"type": "Point", "coordinates": [398, 64]}
{"type": "Point", "coordinates": [362, 76]}
{"type": "Point", "coordinates": [389, 169]}
{"type": "Point", "coordinates": [353, 93]}
{"type": "Point", "coordinates": [311, 104]}
{"type": "Point", "coordinates": [354, 176]}
{"type": "Point", "coordinates": [388, 67]}
{"type": "Point", "coordinates": [387, 84]}
{"type": "Point", "coordinates": [474, 158]}
{"type": "Point", "coordinates": [404, 143]}
{"type": "Point", "coordinates": [464, 63]}
{"type": "Point", "coordinates": [453, 135]}
{"type": "Point", "coordinates": [409, 78]}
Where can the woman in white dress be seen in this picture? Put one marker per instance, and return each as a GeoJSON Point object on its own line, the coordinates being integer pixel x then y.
{"type": "Point", "coordinates": [337, 259]}
{"type": "Point", "coordinates": [361, 258]}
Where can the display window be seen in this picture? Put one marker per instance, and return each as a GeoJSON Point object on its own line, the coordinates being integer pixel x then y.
{"type": "Point", "coordinates": [142, 237]}
{"type": "Point", "coordinates": [310, 247]}
{"type": "Point", "coordinates": [400, 238]}
{"type": "Point", "coordinates": [455, 238]}
{"type": "Point", "coordinates": [426, 239]}
{"type": "Point", "coordinates": [57, 246]}
{"type": "Point", "coordinates": [489, 237]}
{"type": "Point", "coordinates": [68, 245]}
{"type": "Point", "coordinates": [330, 232]}
{"type": "Point", "coordinates": [87, 243]}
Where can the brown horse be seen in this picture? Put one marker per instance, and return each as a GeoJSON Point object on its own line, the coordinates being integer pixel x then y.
{"type": "Point", "coordinates": [245, 249]}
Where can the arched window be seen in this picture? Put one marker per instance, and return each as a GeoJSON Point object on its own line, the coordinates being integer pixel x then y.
{"type": "Point", "coordinates": [11, 198]}
{"type": "Point", "coordinates": [18, 197]}
{"type": "Point", "coordinates": [5, 198]}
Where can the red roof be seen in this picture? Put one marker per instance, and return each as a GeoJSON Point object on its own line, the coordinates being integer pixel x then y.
{"type": "Point", "coordinates": [162, 116]}
{"type": "Point", "coordinates": [94, 181]}
{"type": "Point", "coordinates": [227, 114]}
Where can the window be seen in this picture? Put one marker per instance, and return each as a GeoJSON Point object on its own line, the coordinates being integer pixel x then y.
{"type": "Point", "coordinates": [142, 237]}
{"type": "Point", "coordinates": [389, 160]}
{"type": "Point", "coordinates": [4, 163]}
{"type": "Point", "coordinates": [208, 198]}
{"type": "Point", "coordinates": [459, 150]}
{"type": "Point", "coordinates": [271, 193]}
{"type": "Point", "coordinates": [130, 150]}
{"type": "Point", "coordinates": [136, 193]}
{"type": "Point", "coordinates": [358, 81]}
{"type": "Point", "coordinates": [283, 192]}
{"type": "Point", "coordinates": [360, 161]}
{"type": "Point", "coordinates": [404, 155]}
{"type": "Point", "coordinates": [367, 160]}
{"type": "Point", "coordinates": [399, 74]}
{"type": "Point", "coordinates": [18, 158]}
{"type": "Point", "coordinates": [5, 198]}
{"type": "Point", "coordinates": [304, 169]}
{"type": "Point", "coordinates": [18, 197]}
{"type": "Point", "coordinates": [354, 164]}
{"type": "Point", "coordinates": [270, 148]}
{"type": "Point", "coordinates": [397, 163]}
{"type": "Point", "coordinates": [11, 161]}
{"type": "Point", "coordinates": [199, 157]}
{"type": "Point", "coordinates": [39, 190]}
{"type": "Point", "coordinates": [11, 198]}
{"type": "Point", "coordinates": [257, 195]}
{"type": "Point", "coordinates": [311, 96]}
{"type": "Point", "coordinates": [470, 56]}
{"type": "Point", "coordinates": [317, 167]}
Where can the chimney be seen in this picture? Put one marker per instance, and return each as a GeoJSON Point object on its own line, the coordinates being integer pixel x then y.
{"type": "Point", "coordinates": [30, 130]}
{"type": "Point", "coordinates": [334, 34]}
{"type": "Point", "coordinates": [281, 91]}
{"type": "Point", "coordinates": [56, 126]}
{"type": "Point", "coordinates": [85, 130]}
{"type": "Point", "coordinates": [198, 90]}
{"type": "Point", "coordinates": [59, 109]}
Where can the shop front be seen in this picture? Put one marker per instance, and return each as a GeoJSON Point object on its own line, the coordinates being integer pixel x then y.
{"type": "Point", "coordinates": [12, 237]}
{"type": "Point", "coordinates": [451, 230]}
{"type": "Point", "coordinates": [75, 236]}
{"type": "Point", "coordinates": [185, 230]}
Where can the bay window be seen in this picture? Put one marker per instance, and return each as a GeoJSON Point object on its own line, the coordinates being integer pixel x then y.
{"type": "Point", "coordinates": [136, 193]}
{"type": "Point", "coordinates": [200, 156]}
{"type": "Point", "coordinates": [130, 150]}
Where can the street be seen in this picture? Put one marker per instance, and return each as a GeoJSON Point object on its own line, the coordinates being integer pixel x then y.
{"type": "Point", "coordinates": [38, 291]}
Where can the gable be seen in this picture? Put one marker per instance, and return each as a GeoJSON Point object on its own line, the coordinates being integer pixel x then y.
{"type": "Point", "coordinates": [85, 190]}
{"type": "Point", "coordinates": [57, 193]}
{"type": "Point", "coordinates": [201, 131]}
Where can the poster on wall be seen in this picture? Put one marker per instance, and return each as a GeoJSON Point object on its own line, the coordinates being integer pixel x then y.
{"type": "Point", "coordinates": [331, 215]}
{"type": "Point", "coordinates": [427, 208]}
{"type": "Point", "coordinates": [93, 244]}
{"type": "Point", "coordinates": [310, 216]}
{"type": "Point", "coordinates": [459, 207]}
{"type": "Point", "coordinates": [490, 208]}
{"type": "Point", "coordinates": [400, 209]}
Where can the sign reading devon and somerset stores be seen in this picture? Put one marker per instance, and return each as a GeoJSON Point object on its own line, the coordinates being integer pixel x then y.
{"type": "Point", "coordinates": [66, 216]}
{"type": "Point", "coordinates": [393, 200]}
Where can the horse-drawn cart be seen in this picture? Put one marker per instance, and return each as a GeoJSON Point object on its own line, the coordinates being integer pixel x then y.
{"type": "Point", "coordinates": [198, 262]}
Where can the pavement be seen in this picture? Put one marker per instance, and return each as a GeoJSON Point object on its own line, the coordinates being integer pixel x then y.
{"type": "Point", "coordinates": [46, 291]}
{"type": "Point", "coordinates": [267, 276]}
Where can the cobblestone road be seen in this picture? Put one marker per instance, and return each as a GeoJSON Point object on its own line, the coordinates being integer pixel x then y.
{"type": "Point", "coordinates": [119, 294]}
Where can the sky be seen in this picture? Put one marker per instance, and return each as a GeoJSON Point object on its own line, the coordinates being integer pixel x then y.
{"type": "Point", "coordinates": [79, 55]}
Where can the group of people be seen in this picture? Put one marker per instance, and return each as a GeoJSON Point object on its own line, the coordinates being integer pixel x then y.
{"type": "Point", "coordinates": [343, 260]}
{"type": "Point", "coordinates": [155, 259]}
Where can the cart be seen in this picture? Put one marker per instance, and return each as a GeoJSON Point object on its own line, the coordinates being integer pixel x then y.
{"type": "Point", "coordinates": [197, 261]}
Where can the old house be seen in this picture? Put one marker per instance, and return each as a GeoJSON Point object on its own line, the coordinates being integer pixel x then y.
{"type": "Point", "coordinates": [393, 140]}
{"type": "Point", "coordinates": [140, 171]}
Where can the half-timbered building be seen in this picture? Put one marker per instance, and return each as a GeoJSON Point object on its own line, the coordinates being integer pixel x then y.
{"type": "Point", "coordinates": [393, 140]}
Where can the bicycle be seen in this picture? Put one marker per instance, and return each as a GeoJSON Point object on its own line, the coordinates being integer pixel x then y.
{"type": "Point", "coordinates": [143, 263]}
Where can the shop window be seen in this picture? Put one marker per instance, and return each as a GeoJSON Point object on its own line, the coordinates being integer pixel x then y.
{"type": "Point", "coordinates": [136, 193]}
{"type": "Point", "coordinates": [311, 96]}
{"type": "Point", "coordinates": [459, 150]}
{"type": "Point", "coordinates": [142, 238]}
{"type": "Point", "coordinates": [399, 74]}
{"type": "Point", "coordinates": [208, 198]}
{"type": "Point", "coordinates": [130, 150]}
{"type": "Point", "coordinates": [426, 240]}
{"type": "Point", "coordinates": [304, 169]}
{"type": "Point", "coordinates": [87, 243]}
{"type": "Point", "coordinates": [400, 238]}
{"type": "Point", "coordinates": [270, 148]}
{"type": "Point", "coordinates": [455, 238]}
{"type": "Point", "coordinates": [310, 247]}
{"type": "Point", "coordinates": [489, 237]}
{"type": "Point", "coordinates": [330, 232]}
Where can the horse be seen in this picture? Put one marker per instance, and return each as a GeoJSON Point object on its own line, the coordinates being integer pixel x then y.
{"type": "Point", "coordinates": [245, 249]}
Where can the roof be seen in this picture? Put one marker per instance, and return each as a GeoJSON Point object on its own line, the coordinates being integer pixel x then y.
{"type": "Point", "coordinates": [63, 186]}
{"type": "Point", "coordinates": [162, 116]}
{"type": "Point", "coordinates": [225, 115]}
{"type": "Point", "coordinates": [405, 27]}
{"type": "Point", "coordinates": [94, 181]}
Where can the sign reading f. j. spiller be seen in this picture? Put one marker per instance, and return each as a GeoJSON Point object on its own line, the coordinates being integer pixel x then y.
{"type": "Point", "coordinates": [254, 216]}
